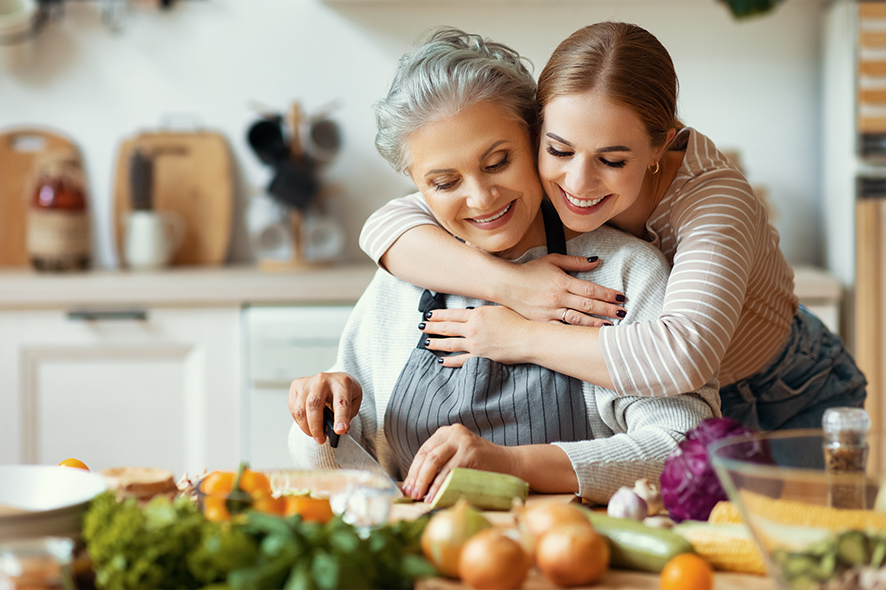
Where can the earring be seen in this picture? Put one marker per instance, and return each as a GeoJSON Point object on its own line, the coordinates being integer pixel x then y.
{"type": "Point", "coordinates": [656, 168]}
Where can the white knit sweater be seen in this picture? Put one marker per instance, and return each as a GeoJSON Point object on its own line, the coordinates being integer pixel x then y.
{"type": "Point", "coordinates": [632, 435]}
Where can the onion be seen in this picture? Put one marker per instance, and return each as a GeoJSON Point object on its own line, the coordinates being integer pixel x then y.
{"type": "Point", "coordinates": [572, 555]}
{"type": "Point", "coordinates": [493, 560]}
{"type": "Point", "coordinates": [446, 533]}
{"type": "Point", "coordinates": [541, 516]}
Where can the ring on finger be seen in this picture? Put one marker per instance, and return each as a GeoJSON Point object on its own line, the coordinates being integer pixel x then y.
{"type": "Point", "coordinates": [564, 316]}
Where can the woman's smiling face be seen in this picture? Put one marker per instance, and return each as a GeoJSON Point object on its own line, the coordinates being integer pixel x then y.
{"type": "Point", "coordinates": [477, 173]}
{"type": "Point", "coordinates": [593, 160]}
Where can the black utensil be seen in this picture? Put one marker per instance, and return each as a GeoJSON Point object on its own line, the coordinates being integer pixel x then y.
{"type": "Point", "coordinates": [141, 180]}
{"type": "Point", "coordinates": [266, 138]}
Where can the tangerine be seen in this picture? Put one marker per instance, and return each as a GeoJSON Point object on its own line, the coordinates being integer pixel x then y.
{"type": "Point", "coordinates": [75, 463]}
{"type": "Point", "coordinates": [687, 571]}
{"type": "Point", "coordinates": [309, 508]}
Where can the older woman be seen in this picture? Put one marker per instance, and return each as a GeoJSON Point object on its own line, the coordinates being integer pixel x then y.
{"type": "Point", "coordinates": [459, 120]}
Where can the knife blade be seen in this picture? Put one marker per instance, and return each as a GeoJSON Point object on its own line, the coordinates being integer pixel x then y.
{"type": "Point", "coordinates": [350, 455]}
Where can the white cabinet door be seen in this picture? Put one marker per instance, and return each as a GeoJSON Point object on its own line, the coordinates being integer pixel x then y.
{"type": "Point", "coordinates": [283, 343]}
{"type": "Point", "coordinates": [156, 388]}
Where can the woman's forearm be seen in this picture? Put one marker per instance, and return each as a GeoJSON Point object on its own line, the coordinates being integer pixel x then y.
{"type": "Point", "coordinates": [429, 257]}
{"type": "Point", "coordinates": [546, 468]}
{"type": "Point", "coordinates": [571, 350]}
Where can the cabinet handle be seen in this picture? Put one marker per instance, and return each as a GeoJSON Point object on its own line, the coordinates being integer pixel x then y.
{"type": "Point", "coordinates": [109, 315]}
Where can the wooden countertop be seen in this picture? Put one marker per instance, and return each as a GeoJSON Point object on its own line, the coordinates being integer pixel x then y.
{"type": "Point", "coordinates": [613, 580]}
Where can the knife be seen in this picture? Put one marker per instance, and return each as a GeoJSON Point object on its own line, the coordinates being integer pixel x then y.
{"type": "Point", "coordinates": [350, 455]}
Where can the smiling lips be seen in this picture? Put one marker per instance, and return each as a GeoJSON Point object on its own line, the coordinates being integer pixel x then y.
{"type": "Point", "coordinates": [489, 222]}
{"type": "Point", "coordinates": [582, 203]}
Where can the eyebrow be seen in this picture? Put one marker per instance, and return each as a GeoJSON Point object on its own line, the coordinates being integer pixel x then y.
{"type": "Point", "coordinates": [603, 150]}
{"type": "Point", "coordinates": [482, 157]}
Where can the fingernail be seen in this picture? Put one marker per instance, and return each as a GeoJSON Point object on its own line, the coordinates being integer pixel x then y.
{"type": "Point", "coordinates": [421, 326]}
{"type": "Point", "coordinates": [592, 259]}
{"type": "Point", "coordinates": [428, 342]}
{"type": "Point", "coordinates": [620, 298]}
{"type": "Point", "coordinates": [407, 490]}
{"type": "Point", "coordinates": [471, 307]}
{"type": "Point", "coordinates": [607, 323]}
{"type": "Point", "coordinates": [428, 314]}
{"type": "Point", "coordinates": [440, 360]}
{"type": "Point", "coordinates": [340, 426]}
{"type": "Point", "coordinates": [621, 313]}
{"type": "Point", "coordinates": [319, 440]}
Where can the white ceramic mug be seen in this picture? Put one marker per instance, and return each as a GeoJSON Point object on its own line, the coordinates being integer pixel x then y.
{"type": "Point", "coordinates": [151, 238]}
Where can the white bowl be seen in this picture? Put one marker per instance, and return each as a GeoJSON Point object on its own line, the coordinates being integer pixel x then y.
{"type": "Point", "coordinates": [52, 499]}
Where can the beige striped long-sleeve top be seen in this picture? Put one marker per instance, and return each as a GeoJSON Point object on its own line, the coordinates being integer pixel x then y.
{"type": "Point", "coordinates": [729, 302]}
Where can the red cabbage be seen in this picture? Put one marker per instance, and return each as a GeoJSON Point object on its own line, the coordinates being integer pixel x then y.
{"type": "Point", "coordinates": [689, 485]}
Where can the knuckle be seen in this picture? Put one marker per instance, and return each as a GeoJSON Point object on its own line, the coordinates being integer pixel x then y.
{"type": "Point", "coordinates": [315, 401]}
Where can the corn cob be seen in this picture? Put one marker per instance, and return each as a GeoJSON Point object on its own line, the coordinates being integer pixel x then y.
{"type": "Point", "coordinates": [725, 512]}
{"type": "Point", "coordinates": [485, 490]}
{"type": "Point", "coordinates": [794, 513]}
{"type": "Point", "coordinates": [727, 547]}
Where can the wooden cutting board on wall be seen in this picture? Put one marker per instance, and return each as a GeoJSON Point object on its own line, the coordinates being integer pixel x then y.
{"type": "Point", "coordinates": [192, 176]}
{"type": "Point", "coordinates": [20, 149]}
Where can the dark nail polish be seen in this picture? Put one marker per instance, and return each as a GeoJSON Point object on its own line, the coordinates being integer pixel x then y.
{"type": "Point", "coordinates": [607, 323]}
{"type": "Point", "coordinates": [440, 360]}
{"type": "Point", "coordinates": [592, 259]}
{"type": "Point", "coordinates": [471, 307]}
{"type": "Point", "coordinates": [421, 326]}
{"type": "Point", "coordinates": [428, 314]}
{"type": "Point", "coordinates": [621, 313]}
{"type": "Point", "coordinates": [428, 342]}
{"type": "Point", "coordinates": [620, 298]}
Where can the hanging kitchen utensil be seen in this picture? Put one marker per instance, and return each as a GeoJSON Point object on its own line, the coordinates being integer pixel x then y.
{"type": "Point", "coordinates": [294, 182]}
{"type": "Point", "coordinates": [141, 178]}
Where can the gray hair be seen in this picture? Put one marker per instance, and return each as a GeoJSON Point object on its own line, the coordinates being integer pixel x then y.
{"type": "Point", "coordinates": [451, 71]}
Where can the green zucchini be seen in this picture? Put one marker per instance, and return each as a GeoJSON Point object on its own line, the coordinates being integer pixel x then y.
{"type": "Point", "coordinates": [635, 546]}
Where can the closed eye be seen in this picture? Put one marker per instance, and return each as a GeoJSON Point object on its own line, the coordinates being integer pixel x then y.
{"type": "Point", "coordinates": [557, 153]}
{"type": "Point", "coordinates": [614, 164]}
{"type": "Point", "coordinates": [506, 159]}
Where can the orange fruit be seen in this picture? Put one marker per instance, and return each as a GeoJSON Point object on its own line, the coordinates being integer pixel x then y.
{"type": "Point", "coordinates": [218, 483]}
{"type": "Point", "coordinates": [76, 463]}
{"type": "Point", "coordinates": [309, 508]}
{"type": "Point", "coordinates": [255, 482]}
{"type": "Point", "coordinates": [687, 571]}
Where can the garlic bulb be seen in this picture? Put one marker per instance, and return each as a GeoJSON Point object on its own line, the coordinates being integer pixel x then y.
{"type": "Point", "coordinates": [625, 503]}
{"type": "Point", "coordinates": [651, 494]}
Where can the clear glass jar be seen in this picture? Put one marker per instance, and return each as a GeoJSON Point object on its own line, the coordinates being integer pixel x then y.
{"type": "Point", "coordinates": [42, 563]}
{"type": "Point", "coordinates": [58, 236]}
{"type": "Point", "coordinates": [845, 455]}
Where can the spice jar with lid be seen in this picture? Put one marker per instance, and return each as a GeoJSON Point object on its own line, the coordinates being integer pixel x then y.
{"type": "Point", "coordinates": [845, 454]}
{"type": "Point", "coordinates": [58, 237]}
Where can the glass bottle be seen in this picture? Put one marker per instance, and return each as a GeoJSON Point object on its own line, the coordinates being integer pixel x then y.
{"type": "Point", "coordinates": [58, 218]}
{"type": "Point", "coordinates": [845, 454]}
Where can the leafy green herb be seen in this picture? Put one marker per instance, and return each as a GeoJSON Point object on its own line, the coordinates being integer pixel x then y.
{"type": "Point", "coordinates": [170, 544]}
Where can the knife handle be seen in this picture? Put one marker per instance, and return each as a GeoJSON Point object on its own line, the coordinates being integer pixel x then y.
{"type": "Point", "coordinates": [328, 422]}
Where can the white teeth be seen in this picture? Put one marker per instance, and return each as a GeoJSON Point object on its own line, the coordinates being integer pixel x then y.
{"type": "Point", "coordinates": [581, 203]}
{"type": "Point", "coordinates": [494, 217]}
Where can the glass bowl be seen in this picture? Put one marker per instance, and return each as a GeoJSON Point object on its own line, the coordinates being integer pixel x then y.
{"type": "Point", "coordinates": [816, 529]}
{"type": "Point", "coordinates": [360, 498]}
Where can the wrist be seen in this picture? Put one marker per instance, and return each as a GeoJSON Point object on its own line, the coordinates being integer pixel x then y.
{"type": "Point", "coordinates": [503, 281]}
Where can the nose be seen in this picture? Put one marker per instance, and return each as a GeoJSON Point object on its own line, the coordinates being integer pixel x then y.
{"type": "Point", "coordinates": [481, 194]}
{"type": "Point", "coordinates": [581, 176]}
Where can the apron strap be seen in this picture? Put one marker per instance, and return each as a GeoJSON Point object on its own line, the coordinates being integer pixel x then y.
{"type": "Point", "coordinates": [554, 233]}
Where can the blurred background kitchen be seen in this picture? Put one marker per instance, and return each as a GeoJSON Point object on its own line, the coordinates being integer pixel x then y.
{"type": "Point", "coordinates": [224, 152]}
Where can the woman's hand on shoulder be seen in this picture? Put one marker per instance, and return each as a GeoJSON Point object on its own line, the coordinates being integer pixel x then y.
{"type": "Point", "coordinates": [449, 447]}
{"type": "Point", "coordinates": [543, 291]}
{"type": "Point", "coordinates": [309, 395]}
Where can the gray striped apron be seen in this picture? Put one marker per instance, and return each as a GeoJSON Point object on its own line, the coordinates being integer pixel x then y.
{"type": "Point", "coordinates": [508, 405]}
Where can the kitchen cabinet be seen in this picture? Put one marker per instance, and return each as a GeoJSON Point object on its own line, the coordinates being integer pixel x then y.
{"type": "Point", "coordinates": [124, 368]}
{"type": "Point", "coordinates": [113, 387]}
{"type": "Point", "coordinates": [283, 343]}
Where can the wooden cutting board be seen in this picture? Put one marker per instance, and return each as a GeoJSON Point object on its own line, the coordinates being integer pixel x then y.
{"type": "Point", "coordinates": [20, 149]}
{"type": "Point", "coordinates": [192, 176]}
